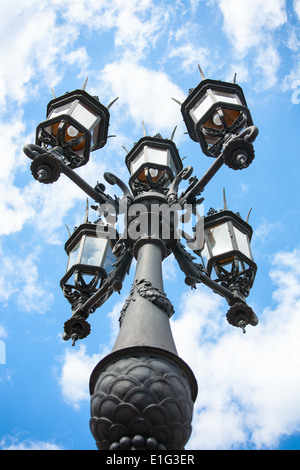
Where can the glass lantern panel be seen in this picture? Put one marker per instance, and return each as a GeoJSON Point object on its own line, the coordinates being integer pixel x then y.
{"type": "Point", "coordinates": [209, 98]}
{"type": "Point", "coordinates": [173, 166]}
{"type": "Point", "coordinates": [109, 259]}
{"type": "Point", "coordinates": [64, 109]}
{"type": "Point", "coordinates": [226, 97]}
{"type": "Point", "coordinates": [242, 242]}
{"type": "Point", "coordinates": [93, 252]}
{"type": "Point", "coordinates": [157, 156]}
{"type": "Point", "coordinates": [219, 239]}
{"type": "Point", "coordinates": [70, 133]}
{"type": "Point", "coordinates": [137, 162]}
{"type": "Point", "coordinates": [73, 256]}
{"type": "Point", "coordinates": [201, 107]}
{"type": "Point", "coordinates": [84, 116]}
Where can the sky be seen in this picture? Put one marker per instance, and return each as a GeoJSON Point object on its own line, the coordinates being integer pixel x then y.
{"type": "Point", "coordinates": [146, 52]}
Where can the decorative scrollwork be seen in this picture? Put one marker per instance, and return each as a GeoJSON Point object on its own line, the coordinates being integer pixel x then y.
{"type": "Point", "coordinates": [182, 175]}
{"type": "Point", "coordinates": [113, 282]}
{"type": "Point", "coordinates": [193, 271]}
{"type": "Point", "coordinates": [241, 315]}
{"type": "Point", "coordinates": [113, 179]}
{"type": "Point", "coordinates": [145, 289]}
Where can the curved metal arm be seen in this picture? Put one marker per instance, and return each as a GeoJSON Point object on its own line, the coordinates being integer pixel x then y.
{"type": "Point", "coordinates": [196, 189]}
{"type": "Point", "coordinates": [182, 175]}
{"type": "Point", "coordinates": [127, 198]}
{"type": "Point", "coordinates": [32, 150]}
{"type": "Point", "coordinates": [97, 196]}
{"type": "Point", "coordinates": [249, 134]}
{"type": "Point", "coordinates": [113, 179]}
{"type": "Point", "coordinates": [196, 274]}
{"type": "Point", "coordinates": [112, 283]}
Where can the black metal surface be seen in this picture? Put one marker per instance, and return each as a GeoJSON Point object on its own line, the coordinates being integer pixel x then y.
{"type": "Point", "coordinates": [142, 399]}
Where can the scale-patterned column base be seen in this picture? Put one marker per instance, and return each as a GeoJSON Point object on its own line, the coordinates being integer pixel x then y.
{"type": "Point", "coordinates": [142, 399]}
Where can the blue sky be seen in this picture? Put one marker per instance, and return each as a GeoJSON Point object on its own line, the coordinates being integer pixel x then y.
{"type": "Point", "coordinates": [146, 52]}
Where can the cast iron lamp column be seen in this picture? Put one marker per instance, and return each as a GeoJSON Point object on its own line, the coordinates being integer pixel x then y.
{"type": "Point", "coordinates": [142, 394]}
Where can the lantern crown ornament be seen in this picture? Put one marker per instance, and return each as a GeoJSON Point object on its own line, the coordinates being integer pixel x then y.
{"type": "Point", "coordinates": [76, 124]}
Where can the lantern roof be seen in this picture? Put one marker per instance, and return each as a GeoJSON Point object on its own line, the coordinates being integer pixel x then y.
{"type": "Point", "coordinates": [225, 215]}
{"type": "Point", "coordinates": [159, 142]}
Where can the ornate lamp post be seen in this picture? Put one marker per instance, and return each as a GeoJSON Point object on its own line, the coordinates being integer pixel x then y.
{"type": "Point", "coordinates": [142, 394]}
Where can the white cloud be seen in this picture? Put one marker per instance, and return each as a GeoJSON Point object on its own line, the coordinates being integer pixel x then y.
{"type": "Point", "coordinates": [248, 23]}
{"type": "Point", "coordinates": [17, 443]}
{"type": "Point", "coordinates": [297, 8]}
{"type": "Point", "coordinates": [75, 375]}
{"type": "Point", "coordinates": [20, 277]}
{"type": "Point", "coordinates": [252, 24]}
{"type": "Point", "coordinates": [3, 333]}
{"type": "Point", "coordinates": [140, 90]}
{"type": "Point", "coordinates": [191, 56]}
{"type": "Point", "coordinates": [36, 52]}
{"type": "Point", "coordinates": [268, 62]}
{"type": "Point", "coordinates": [136, 23]}
{"type": "Point", "coordinates": [248, 385]}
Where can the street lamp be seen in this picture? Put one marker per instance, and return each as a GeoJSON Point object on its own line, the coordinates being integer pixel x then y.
{"type": "Point", "coordinates": [153, 163]}
{"type": "Point", "coordinates": [89, 251]}
{"type": "Point", "coordinates": [212, 110]}
{"type": "Point", "coordinates": [143, 393]}
{"type": "Point", "coordinates": [227, 248]}
{"type": "Point", "coordinates": [90, 259]}
{"type": "Point", "coordinates": [227, 238]}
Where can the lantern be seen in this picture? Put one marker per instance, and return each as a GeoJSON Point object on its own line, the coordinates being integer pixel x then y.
{"type": "Point", "coordinates": [153, 163]}
{"type": "Point", "coordinates": [212, 110]}
{"type": "Point", "coordinates": [227, 240]}
{"type": "Point", "coordinates": [90, 256]}
{"type": "Point", "coordinates": [77, 123]}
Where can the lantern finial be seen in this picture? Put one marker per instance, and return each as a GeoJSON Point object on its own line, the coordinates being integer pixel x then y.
{"type": "Point", "coordinates": [176, 101]}
{"type": "Point", "coordinates": [224, 200]}
{"type": "Point", "coordinates": [201, 73]}
{"type": "Point", "coordinates": [112, 102]}
{"type": "Point", "coordinates": [85, 83]}
{"type": "Point", "coordinates": [68, 230]}
{"type": "Point", "coordinates": [173, 133]}
{"type": "Point", "coordinates": [86, 217]}
{"type": "Point", "coordinates": [247, 220]}
{"type": "Point", "coordinates": [144, 129]}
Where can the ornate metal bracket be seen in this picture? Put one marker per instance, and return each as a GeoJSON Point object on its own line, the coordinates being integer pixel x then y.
{"type": "Point", "coordinates": [85, 306]}
{"type": "Point", "coordinates": [195, 273]}
{"type": "Point", "coordinates": [182, 175]}
{"type": "Point", "coordinates": [145, 289]}
{"type": "Point", "coordinates": [127, 198]}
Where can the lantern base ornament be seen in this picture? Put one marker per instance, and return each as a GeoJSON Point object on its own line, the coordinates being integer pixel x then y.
{"type": "Point", "coordinates": [241, 315]}
{"type": "Point", "coordinates": [142, 399]}
{"type": "Point", "coordinates": [45, 168]}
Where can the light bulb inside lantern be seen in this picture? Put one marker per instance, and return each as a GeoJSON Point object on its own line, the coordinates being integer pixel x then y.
{"type": "Point", "coordinates": [153, 172]}
{"type": "Point", "coordinates": [72, 131]}
{"type": "Point", "coordinates": [217, 120]}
